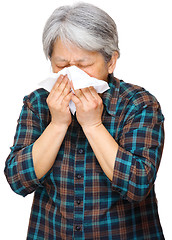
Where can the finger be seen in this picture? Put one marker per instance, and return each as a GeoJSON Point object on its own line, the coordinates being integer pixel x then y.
{"type": "Point", "coordinates": [96, 96]}
{"type": "Point", "coordinates": [62, 83]}
{"type": "Point", "coordinates": [88, 95]}
{"type": "Point", "coordinates": [67, 99]}
{"type": "Point", "coordinates": [72, 86]}
{"type": "Point", "coordinates": [79, 94]}
{"type": "Point", "coordinates": [57, 83]}
{"type": "Point", "coordinates": [57, 92]}
{"type": "Point", "coordinates": [76, 100]}
{"type": "Point", "coordinates": [65, 92]}
{"type": "Point", "coordinates": [93, 92]}
{"type": "Point", "coordinates": [67, 89]}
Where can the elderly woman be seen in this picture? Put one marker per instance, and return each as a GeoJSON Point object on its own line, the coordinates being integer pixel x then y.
{"type": "Point", "coordinates": [93, 173]}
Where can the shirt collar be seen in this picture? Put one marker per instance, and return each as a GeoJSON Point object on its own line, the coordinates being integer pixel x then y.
{"type": "Point", "coordinates": [110, 97]}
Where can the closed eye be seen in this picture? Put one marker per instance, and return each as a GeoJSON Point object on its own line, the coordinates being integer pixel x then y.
{"type": "Point", "coordinates": [62, 66]}
{"type": "Point", "coordinates": [77, 65]}
{"type": "Point", "coordinates": [84, 66]}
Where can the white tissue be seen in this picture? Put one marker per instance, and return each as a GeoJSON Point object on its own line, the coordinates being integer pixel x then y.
{"type": "Point", "coordinates": [80, 80]}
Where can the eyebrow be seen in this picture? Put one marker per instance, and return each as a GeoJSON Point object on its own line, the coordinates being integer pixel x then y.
{"type": "Point", "coordinates": [65, 60]}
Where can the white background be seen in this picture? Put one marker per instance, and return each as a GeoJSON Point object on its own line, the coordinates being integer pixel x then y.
{"type": "Point", "coordinates": [145, 40]}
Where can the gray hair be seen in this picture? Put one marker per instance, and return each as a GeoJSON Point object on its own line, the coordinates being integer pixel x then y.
{"type": "Point", "coordinates": [84, 25]}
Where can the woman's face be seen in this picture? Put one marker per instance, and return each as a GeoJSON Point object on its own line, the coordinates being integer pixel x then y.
{"type": "Point", "coordinates": [90, 62]}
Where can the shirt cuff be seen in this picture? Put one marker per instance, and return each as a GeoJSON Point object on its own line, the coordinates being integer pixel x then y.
{"type": "Point", "coordinates": [26, 171]}
{"type": "Point", "coordinates": [121, 172]}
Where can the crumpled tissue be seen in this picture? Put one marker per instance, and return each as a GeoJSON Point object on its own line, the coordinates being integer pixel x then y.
{"type": "Point", "coordinates": [79, 78]}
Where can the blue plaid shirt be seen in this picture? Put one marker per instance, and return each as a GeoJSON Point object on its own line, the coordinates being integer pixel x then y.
{"type": "Point", "coordinates": [75, 199]}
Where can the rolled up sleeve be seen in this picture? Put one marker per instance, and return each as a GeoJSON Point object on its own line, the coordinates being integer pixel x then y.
{"type": "Point", "coordinates": [139, 153]}
{"type": "Point", "coordinates": [19, 168]}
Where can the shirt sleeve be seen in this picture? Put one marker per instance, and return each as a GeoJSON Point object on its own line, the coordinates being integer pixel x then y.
{"type": "Point", "coordinates": [19, 169]}
{"type": "Point", "coordinates": [139, 153]}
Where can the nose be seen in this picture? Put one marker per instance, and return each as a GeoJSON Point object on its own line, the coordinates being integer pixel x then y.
{"type": "Point", "coordinates": [72, 64]}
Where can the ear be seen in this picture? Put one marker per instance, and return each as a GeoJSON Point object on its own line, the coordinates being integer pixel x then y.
{"type": "Point", "coordinates": [112, 62]}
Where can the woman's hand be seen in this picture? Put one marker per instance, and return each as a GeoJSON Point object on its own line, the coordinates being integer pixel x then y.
{"type": "Point", "coordinates": [89, 107]}
{"type": "Point", "coordinates": [58, 102]}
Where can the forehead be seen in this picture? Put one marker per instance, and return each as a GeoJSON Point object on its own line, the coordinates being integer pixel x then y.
{"type": "Point", "coordinates": [67, 52]}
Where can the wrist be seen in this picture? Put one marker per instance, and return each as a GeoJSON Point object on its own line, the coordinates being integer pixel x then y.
{"type": "Point", "coordinates": [91, 128]}
{"type": "Point", "coordinates": [58, 127]}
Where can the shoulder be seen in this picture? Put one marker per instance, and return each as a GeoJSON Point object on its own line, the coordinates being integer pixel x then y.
{"type": "Point", "coordinates": [137, 99]}
{"type": "Point", "coordinates": [136, 95]}
{"type": "Point", "coordinates": [37, 97]}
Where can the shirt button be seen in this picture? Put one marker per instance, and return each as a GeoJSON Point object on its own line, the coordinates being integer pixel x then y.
{"type": "Point", "coordinates": [80, 150]}
{"type": "Point", "coordinates": [78, 201]}
{"type": "Point", "coordinates": [79, 176]}
{"type": "Point", "coordinates": [78, 228]}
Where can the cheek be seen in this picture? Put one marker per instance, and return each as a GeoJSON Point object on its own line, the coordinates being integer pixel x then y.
{"type": "Point", "coordinates": [99, 72]}
{"type": "Point", "coordinates": [90, 72]}
{"type": "Point", "coordinates": [94, 71]}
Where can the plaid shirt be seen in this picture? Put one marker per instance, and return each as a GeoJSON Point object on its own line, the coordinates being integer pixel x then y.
{"type": "Point", "coordinates": [75, 199]}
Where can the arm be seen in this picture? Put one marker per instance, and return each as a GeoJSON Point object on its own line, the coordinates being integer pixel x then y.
{"type": "Point", "coordinates": [19, 169]}
{"type": "Point", "coordinates": [47, 146]}
{"type": "Point", "coordinates": [34, 152]}
{"type": "Point", "coordinates": [132, 165]}
{"type": "Point", "coordinates": [104, 146]}
{"type": "Point", "coordinates": [139, 154]}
